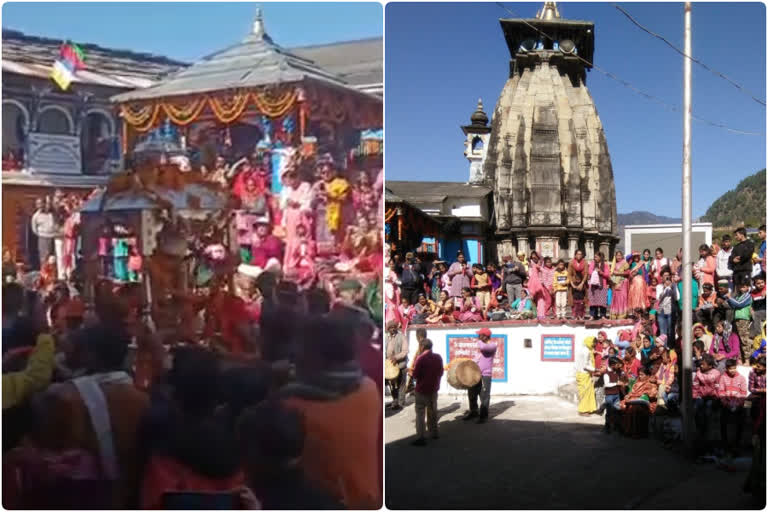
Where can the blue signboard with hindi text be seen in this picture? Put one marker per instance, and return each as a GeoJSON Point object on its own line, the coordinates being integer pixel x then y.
{"type": "Point", "coordinates": [557, 347]}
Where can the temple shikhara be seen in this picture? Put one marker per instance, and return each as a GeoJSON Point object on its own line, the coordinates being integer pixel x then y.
{"type": "Point", "coordinates": [540, 173]}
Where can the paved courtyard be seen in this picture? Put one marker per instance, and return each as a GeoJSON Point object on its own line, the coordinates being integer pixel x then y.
{"type": "Point", "coordinates": [537, 452]}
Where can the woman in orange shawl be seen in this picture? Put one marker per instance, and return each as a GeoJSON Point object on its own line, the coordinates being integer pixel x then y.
{"type": "Point", "coordinates": [639, 404]}
{"type": "Point", "coordinates": [638, 294]}
{"type": "Point", "coordinates": [620, 285]}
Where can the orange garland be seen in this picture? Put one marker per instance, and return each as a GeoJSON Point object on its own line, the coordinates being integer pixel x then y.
{"type": "Point", "coordinates": [226, 108]}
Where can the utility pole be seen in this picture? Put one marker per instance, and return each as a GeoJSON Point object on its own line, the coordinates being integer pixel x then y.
{"type": "Point", "coordinates": [687, 376]}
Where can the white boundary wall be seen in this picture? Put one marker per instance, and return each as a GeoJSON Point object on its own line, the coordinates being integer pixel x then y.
{"type": "Point", "coordinates": [526, 373]}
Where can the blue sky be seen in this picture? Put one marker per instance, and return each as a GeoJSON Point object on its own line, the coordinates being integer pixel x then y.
{"type": "Point", "coordinates": [441, 57]}
{"type": "Point", "coordinates": [188, 30]}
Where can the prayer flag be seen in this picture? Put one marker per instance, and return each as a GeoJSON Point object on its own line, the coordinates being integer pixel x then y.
{"type": "Point", "coordinates": [71, 58]}
{"type": "Point", "coordinates": [62, 74]}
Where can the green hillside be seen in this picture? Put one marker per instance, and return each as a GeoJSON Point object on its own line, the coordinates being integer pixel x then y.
{"type": "Point", "coordinates": [745, 203]}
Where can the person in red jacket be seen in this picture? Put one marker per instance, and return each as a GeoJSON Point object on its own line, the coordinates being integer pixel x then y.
{"type": "Point", "coordinates": [427, 372]}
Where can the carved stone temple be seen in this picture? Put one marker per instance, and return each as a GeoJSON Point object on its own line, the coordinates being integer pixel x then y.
{"type": "Point", "coordinates": [540, 174]}
{"type": "Point", "coordinates": [547, 158]}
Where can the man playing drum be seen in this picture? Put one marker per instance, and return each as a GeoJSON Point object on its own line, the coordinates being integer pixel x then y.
{"type": "Point", "coordinates": [484, 359]}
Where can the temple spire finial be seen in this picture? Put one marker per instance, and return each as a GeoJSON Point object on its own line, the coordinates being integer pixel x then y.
{"type": "Point", "coordinates": [548, 12]}
{"type": "Point", "coordinates": [258, 23]}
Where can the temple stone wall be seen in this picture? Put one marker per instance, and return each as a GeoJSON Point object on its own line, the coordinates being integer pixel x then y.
{"type": "Point", "coordinates": [548, 162]}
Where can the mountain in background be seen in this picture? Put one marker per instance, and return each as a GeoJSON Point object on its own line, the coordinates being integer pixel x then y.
{"type": "Point", "coordinates": [745, 203]}
{"type": "Point", "coordinates": [626, 219]}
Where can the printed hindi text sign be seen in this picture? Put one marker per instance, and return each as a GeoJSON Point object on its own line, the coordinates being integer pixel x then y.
{"type": "Point", "coordinates": [557, 347]}
{"type": "Point", "coordinates": [465, 345]}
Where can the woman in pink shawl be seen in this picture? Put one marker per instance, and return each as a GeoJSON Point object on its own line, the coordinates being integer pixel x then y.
{"type": "Point", "coordinates": [598, 279]}
{"type": "Point", "coordinates": [470, 310]}
{"type": "Point", "coordinates": [391, 294]}
{"type": "Point", "coordinates": [538, 293]}
{"type": "Point", "coordinates": [296, 210]}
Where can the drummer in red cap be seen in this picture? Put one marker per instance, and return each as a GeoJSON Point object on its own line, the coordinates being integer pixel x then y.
{"type": "Point", "coordinates": [484, 359]}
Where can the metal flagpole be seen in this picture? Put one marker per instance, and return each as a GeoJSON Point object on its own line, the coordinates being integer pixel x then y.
{"type": "Point", "coordinates": [687, 374]}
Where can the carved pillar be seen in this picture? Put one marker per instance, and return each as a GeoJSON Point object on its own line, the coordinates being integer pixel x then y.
{"type": "Point", "coordinates": [589, 248]}
{"type": "Point", "coordinates": [522, 244]}
{"type": "Point", "coordinates": [505, 248]}
{"type": "Point", "coordinates": [605, 248]}
{"type": "Point", "coordinates": [573, 246]}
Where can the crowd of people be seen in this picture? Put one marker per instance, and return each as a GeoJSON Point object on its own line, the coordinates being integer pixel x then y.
{"type": "Point", "coordinates": [630, 378]}
{"type": "Point", "coordinates": [256, 385]}
{"type": "Point", "coordinates": [101, 412]}
{"type": "Point", "coordinates": [729, 284]}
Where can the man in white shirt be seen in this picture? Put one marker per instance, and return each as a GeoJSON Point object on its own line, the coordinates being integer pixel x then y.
{"type": "Point", "coordinates": [722, 270]}
{"type": "Point", "coordinates": [44, 227]}
{"type": "Point", "coordinates": [666, 294]}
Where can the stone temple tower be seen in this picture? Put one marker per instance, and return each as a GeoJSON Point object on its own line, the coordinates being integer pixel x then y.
{"type": "Point", "coordinates": [547, 159]}
{"type": "Point", "coordinates": [476, 143]}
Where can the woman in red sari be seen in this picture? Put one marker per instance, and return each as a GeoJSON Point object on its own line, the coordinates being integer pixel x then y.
{"type": "Point", "coordinates": [577, 266]}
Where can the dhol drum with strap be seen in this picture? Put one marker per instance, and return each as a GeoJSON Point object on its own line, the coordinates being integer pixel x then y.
{"type": "Point", "coordinates": [463, 373]}
{"type": "Point", "coordinates": [391, 370]}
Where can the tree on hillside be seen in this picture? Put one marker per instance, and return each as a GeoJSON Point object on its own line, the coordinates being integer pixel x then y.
{"type": "Point", "coordinates": [744, 204]}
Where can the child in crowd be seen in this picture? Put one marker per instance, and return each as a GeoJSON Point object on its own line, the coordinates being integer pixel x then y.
{"type": "Point", "coordinates": [705, 398]}
{"type": "Point", "coordinates": [698, 353]}
{"type": "Point", "coordinates": [623, 341]}
{"type": "Point", "coordinates": [614, 381]}
{"type": "Point", "coordinates": [732, 390]}
{"type": "Point", "coordinates": [631, 362]}
{"type": "Point", "coordinates": [560, 288]}
{"type": "Point", "coordinates": [669, 390]}
{"type": "Point", "coordinates": [725, 344]}
{"type": "Point", "coordinates": [481, 286]}
{"type": "Point", "coordinates": [578, 295]}
{"type": "Point", "coordinates": [742, 315]}
{"type": "Point", "coordinates": [406, 311]}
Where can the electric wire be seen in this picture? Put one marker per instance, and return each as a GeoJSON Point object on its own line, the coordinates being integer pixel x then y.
{"type": "Point", "coordinates": [681, 52]}
{"type": "Point", "coordinates": [668, 106]}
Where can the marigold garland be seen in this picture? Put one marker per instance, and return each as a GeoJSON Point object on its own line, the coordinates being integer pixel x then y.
{"type": "Point", "coordinates": [185, 113]}
{"type": "Point", "coordinates": [226, 108]}
{"type": "Point", "coordinates": [390, 213]}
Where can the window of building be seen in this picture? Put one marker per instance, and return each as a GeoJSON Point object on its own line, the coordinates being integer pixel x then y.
{"type": "Point", "coordinates": [54, 121]}
{"type": "Point", "coordinates": [429, 244]}
{"type": "Point", "coordinates": [14, 136]}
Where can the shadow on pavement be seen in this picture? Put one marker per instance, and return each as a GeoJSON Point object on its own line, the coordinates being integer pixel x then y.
{"type": "Point", "coordinates": [513, 464]}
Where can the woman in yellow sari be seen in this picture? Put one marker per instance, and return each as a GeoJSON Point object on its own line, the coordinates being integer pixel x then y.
{"type": "Point", "coordinates": [585, 365]}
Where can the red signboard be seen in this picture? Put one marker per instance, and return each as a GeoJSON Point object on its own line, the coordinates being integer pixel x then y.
{"type": "Point", "coordinates": [465, 346]}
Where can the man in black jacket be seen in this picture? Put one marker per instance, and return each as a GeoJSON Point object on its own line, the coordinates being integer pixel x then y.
{"type": "Point", "coordinates": [513, 276]}
{"type": "Point", "coordinates": [741, 258]}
